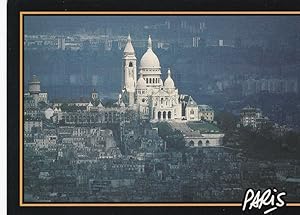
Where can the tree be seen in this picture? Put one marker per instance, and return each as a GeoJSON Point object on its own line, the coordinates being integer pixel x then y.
{"type": "Point", "coordinates": [292, 141]}
{"type": "Point", "coordinates": [173, 138]}
{"type": "Point", "coordinates": [42, 105]}
{"type": "Point", "coordinates": [64, 106]}
{"type": "Point", "coordinates": [227, 121]}
{"type": "Point", "coordinates": [109, 103]}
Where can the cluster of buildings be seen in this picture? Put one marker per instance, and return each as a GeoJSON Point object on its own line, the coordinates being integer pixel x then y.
{"type": "Point", "coordinates": [53, 42]}
{"type": "Point", "coordinates": [273, 85]}
{"type": "Point", "coordinates": [34, 95]}
{"type": "Point", "coordinates": [253, 117]}
{"type": "Point", "coordinates": [81, 42]}
{"type": "Point", "coordinates": [85, 151]}
{"type": "Point", "coordinates": [146, 98]}
{"type": "Point", "coordinates": [198, 175]}
{"type": "Point", "coordinates": [89, 142]}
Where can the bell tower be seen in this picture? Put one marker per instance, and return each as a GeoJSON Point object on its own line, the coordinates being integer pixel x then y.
{"type": "Point", "coordinates": [129, 77]}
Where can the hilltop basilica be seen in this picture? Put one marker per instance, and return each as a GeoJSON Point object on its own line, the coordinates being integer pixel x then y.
{"type": "Point", "coordinates": [152, 97]}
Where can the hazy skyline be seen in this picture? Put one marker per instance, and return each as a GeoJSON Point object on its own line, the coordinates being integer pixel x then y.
{"type": "Point", "coordinates": [247, 27]}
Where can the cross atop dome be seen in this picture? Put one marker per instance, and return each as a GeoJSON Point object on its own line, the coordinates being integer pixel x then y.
{"type": "Point", "coordinates": [169, 72]}
{"type": "Point", "coordinates": [149, 42]}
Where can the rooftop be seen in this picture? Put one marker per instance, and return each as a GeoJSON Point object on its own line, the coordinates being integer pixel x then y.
{"type": "Point", "coordinates": [204, 127]}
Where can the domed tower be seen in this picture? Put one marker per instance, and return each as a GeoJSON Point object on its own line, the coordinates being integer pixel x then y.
{"type": "Point", "coordinates": [150, 67]}
{"type": "Point", "coordinates": [34, 85]}
{"type": "Point", "coordinates": [169, 83]}
{"type": "Point", "coordinates": [141, 89]}
{"type": "Point", "coordinates": [141, 85]}
{"type": "Point", "coordinates": [34, 88]}
{"type": "Point", "coordinates": [129, 76]}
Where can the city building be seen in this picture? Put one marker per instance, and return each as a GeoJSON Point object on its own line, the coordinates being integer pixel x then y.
{"type": "Point", "coordinates": [206, 113]}
{"type": "Point", "coordinates": [30, 125]}
{"type": "Point", "coordinates": [270, 85]}
{"type": "Point", "coordinates": [252, 117]}
{"type": "Point", "coordinates": [34, 95]}
{"type": "Point", "coordinates": [95, 103]}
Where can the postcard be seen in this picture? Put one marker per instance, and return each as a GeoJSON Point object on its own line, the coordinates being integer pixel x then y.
{"type": "Point", "coordinates": [195, 110]}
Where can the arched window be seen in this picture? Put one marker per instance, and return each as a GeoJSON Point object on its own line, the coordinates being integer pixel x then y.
{"type": "Point", "coordinates": [192, 111]}
{"type": "Point", "coordinates": [191, 143]}
{"type": "Point", "coordinates": [159, 115]}
{"type": "Point", "coordinates": [164, 115]}
{"type": "Point", "coordinates": [146, 80]}
{"type": "Point", "coordinates": [150, 80]}
{"type": "Point", "coordinates": [169, 115]}
{"type": "Point", "coordinates": [200, 143]}
{"type": "Point", "coordinates": [207, 142]}
{"type": "Point", "coordinates": [130, 64]}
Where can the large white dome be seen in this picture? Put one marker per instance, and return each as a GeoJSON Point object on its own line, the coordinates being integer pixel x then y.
{"type": "Point", "coordinates": [149, 59]}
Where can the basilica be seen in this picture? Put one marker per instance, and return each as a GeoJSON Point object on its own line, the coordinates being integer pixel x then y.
{"type": "Point", "coordinates": [155, 99]}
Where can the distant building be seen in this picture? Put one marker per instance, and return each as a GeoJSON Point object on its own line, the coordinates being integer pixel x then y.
{"type": "Point", "coordinates": [196, 42]}
{"type": "Point", "coordinates": [105, 115]}
{"type": "Point", "coordinates": [34, 95]}
{"type": "Point", "coordinates": [206, 113]}
{"type": "Point", "coordinates": [221, 43]}
{"type": "Point", "coordinates": [252, 117]}
{"type": "Point", "coordinates": [29, 125]}
{"type": "Point", "coordinates": [200, 134]}
{"type": "Point", "coordinates": [95, 103]}
{"type": "Point", "coordinates": [61, 43]}
{"type": "Point", "coordinates": [33, 99]}
{"type": "Point", "coordinates": [189, 108]}
{"type": "Point", "coordinates": [272, 85]}
{"type": "Point", "coordinates": [42, 141]}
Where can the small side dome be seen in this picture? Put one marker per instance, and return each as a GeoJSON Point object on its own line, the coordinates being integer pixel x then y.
{"type": "Point", "coordinates": [169, 83]}
{"type": "Point", "coordinates": [141, 83]}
